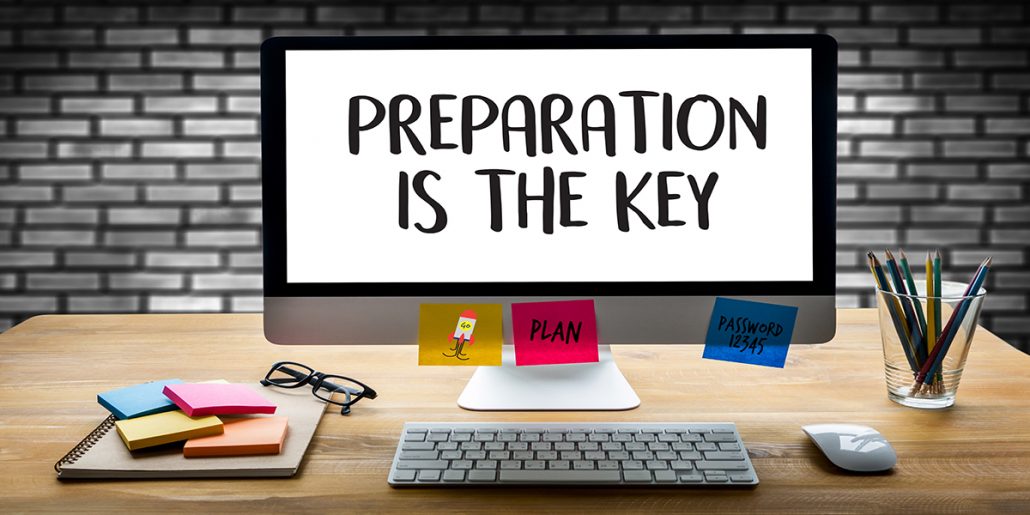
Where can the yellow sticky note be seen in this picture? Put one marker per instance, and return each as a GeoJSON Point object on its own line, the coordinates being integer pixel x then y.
{"type": "Point", "coordinates": [459, 334]}
{"type": "Point", "coordinates": [167, 427]}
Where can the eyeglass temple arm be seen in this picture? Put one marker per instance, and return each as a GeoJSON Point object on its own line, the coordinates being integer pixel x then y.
{"type": "Point", "coordinates": [301, 375]}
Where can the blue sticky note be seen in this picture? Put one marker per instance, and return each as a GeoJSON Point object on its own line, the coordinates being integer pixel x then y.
{"type": "Point", "coordinates": [138, 400]}
{"type": "Point", "coordinates": [749, 332]}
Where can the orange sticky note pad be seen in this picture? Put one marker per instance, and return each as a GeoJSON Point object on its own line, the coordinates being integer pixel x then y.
{"type": "Point", "coordinates": [197, 399]}
{"type": "Point", "coordinates": [241, 437]}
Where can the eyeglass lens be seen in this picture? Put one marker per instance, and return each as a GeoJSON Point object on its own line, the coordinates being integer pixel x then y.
{"type": "Point", "coordinates": [289, 374]}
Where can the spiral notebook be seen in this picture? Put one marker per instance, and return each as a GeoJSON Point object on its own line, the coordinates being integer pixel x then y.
{"type": "Point", "coordinates": [102, 455]}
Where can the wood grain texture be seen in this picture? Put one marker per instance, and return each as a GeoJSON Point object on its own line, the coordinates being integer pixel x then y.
{"type": "Point", "coordinates": [973, 457]}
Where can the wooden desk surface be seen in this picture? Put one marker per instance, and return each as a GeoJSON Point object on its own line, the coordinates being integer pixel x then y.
{"type": "Point", "coordinates": [973, 457]}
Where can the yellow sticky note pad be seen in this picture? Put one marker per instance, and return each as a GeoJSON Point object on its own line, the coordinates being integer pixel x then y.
{"type": "Point", "coordinates": [459, 334]}
{"type": "Point", "coordinates": [167, 427]}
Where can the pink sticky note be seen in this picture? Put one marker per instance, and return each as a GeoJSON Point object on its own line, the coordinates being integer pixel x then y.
{"type": "Point", "coordinates": [199, 399]}
{"type": "Point", "coordinates": [549, 333]}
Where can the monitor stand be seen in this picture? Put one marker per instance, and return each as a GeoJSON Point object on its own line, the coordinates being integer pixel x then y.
{"type": "Point", "coordinates": [584, 386]}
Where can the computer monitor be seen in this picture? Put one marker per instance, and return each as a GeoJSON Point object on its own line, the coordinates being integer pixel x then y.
{"type": "Point", "coordinates": [651, 174]}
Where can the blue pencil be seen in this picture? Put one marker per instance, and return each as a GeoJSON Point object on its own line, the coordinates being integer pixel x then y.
{"type": "Point", "coordinates": [906, 305]}
{"type": "Point", "coordinates": [893, 309]}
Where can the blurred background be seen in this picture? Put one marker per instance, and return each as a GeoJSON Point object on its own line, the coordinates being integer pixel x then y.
{"type": "Point", "coordinates": [130, 155]}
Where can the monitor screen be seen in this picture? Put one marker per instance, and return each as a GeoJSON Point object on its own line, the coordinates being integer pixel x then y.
{"type": "Point", "coordinates": [588, 165]}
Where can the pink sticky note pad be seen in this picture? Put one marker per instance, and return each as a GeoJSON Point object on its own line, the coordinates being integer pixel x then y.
{"type": "Point", "coordinates": [550, 333]}
{"type": "Point", "coordinates": [199, 399]}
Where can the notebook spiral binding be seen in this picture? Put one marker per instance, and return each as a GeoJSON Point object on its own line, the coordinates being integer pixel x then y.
{"type": "Point", "coordinates": [86, 444]}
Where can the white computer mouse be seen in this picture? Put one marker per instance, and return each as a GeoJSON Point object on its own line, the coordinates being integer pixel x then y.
{"type": "Point", "coordinates": [853, 447]}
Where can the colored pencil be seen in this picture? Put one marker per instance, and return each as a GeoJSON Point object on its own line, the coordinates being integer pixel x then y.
{"type": "Point", "coordinates": [932, 299]}
{"type": "Point", "coordinates": [906, 305]}
{"type": "Point", "coordinates": [894, 308]}
{"type": "Point", "coordinates": [950, 330]}
{"type": "Point", "coordinates": [918, 306]}
{"type": "Point", "coordinates": [937, 305]}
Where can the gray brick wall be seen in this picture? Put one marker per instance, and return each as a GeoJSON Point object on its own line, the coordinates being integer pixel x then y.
{"type": "Point", "coordinates": [129, 170]}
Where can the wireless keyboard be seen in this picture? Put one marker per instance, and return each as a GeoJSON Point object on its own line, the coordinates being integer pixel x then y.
{"type": "Point", "coordinates": [662, 454]}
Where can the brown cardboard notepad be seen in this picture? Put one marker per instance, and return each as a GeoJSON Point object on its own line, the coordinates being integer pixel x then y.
{"type": "Point", "coordinates": [102, 455]}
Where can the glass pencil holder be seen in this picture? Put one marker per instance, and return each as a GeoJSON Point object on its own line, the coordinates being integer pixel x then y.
{"type": "Point", "coordinates": [925, 343]}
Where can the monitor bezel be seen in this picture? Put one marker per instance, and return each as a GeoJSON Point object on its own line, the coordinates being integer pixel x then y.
{"type": "Point", "coordinates": [273, 149]}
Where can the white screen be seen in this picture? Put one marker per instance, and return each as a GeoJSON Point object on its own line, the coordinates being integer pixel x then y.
{"type": "Point", "coordinates": [343, 208]}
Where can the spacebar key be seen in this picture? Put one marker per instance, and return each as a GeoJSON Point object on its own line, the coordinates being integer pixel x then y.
{"type": "Point", "coordinates": [558, 476]}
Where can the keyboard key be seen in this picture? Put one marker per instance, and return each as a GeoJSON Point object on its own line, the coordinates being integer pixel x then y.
{"type": "Point", "coordinates": [507, 437]}
{"type": "Point", "coordinates": [417, 446]}
{"type": "Point", "coordinates": [667, 455]}
{"type": "Point", "coordinates": [622, 437]}
{"type": "Point", "coordinates": [691, 438]}
{"type": "Point", "coordinates": [729, 446]}
{"type": "Point", "coordinates": [437, 437]}
{"type": "Point", "coordinates": [594, 455]}
{"type": "Point", "coordinates": [450, 455]}
{"type": "Point", "coordinates": [493, 446]}
{"type": "Point", "coordinates": [644, 437]}
{"type": "Point", "coordinates": [404, 475]}
{"type": "Point", "coordinates": [571, 455]}
{"type": "Point", "coordinates": [583, 465]}
{"type": "Point", "coordinates": [611, 446]}
{"type": "Point", "coordinates": [547, 455]}
{"type": "Point", "coordinates": [453, 475]}
{"type": "Point", "coordinates": [461, 437]}
{"type": "Point", "coordinates": [554, 437]}
{"type": "Point", "coordinates": [724, 455]}
{"type": "Point", "coordinates": [535, 465]}
{"type": "Point", "coordinates": [668, 438]}
{"type": "Point", "coordinates": [416, 437]}
{"type": "Point", "coordinates": [461, 464]}
{"type": "Point", "coordinates": [509, 464]}
{"type": "Point", "coordinates": [720, 437]}
{"type": "Point", "coordinates": [599, 437]}
{"type": "Point", "coordinates": [482, 475]}
{"type": "Point", "coordinates": [475, 455]}
{"type": "Point", "coordinates": [559, 465]}
{"type": "Point", "coordinates": [415, 429]}
{"type": "Point", "coordinates": [681, 465]}
{"type": "Point", "coordinates": [683, 446]}
{"type": "Point", "coordinates": [588, 446]}
{"type": "Point", "coordinates": [665, 476]}
{"type": "Point", "coordinates": [470, 446]}
{"type": "Point", "coordinates": [636, 446]}
{"type": "Point", "coordinates": [518, 446]}
{"type": "Point", "coordinates": [463, 430]}
{"type": "Point", "coordinates": [564, 446]}
{"type": "Point", "coordinates": [486, 464]}
{"type": "Point", "coordinates": [643, 455]}
{"type": "Point", "coordinates": [656, 465]}
{"type": "Point", "coordinates": [721, 465]}
{"type": "Point", "coordinates": [522, 455]}
{"type": "Point", "coordinates": [608, 465]}
{"type": "Point", "coordinates": [618, 455]}
{"type": "Point", "coordinates": [706, 446]}
{"type": "Point", "coordinates": [658, 446]}
{"type": "Point", "coordinates": [693, 477]}
{"type": "Point", "coordinates": [448, 446]}
{"type": "Point", "coordinates": [636, 476]}
{"type": "Point", "coordinates": [715, 478]}
{"type": "Point", "coordinates": [500, 455]}
{"type": "Point", "coordinates": [586, 476]}
{"type": "Point", "coordinates": [576, 437]}
{"type": "Point", "coordinates": [429, 475]}
{"type": "Point", "coordinates": [690, 455]}
{"type": "Point", "coordinates": [540, 446]}
{"type": "Point", "coordinates": [741, 478]}
{"type": "Point", "coordinates": [421, 464]}
{"type": "Point", "coordinates": [529, 437]}
{"type": "Point", "coordinates": [484, 437]}
{"type": "Point", "coordinates": [632, 465]}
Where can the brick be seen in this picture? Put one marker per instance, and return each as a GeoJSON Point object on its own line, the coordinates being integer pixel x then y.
{"type": "Point", "coordinates": [187, 59]}
{"type": "Point", "coordinates": [1012, 214]}
{"type": "Point", "coordinates": [224, 36]}
{"type": "Point", "coordinates": [78, 303]}
{"type": "Point", "coordinates": [26, 258]}
{"type": "Point", "coordinates": [96, 105]}
{"type": "Point", "coordinates": [896, 148]}
{"type": "Point", "coordinates": [222, 238]}
{"type": "Point", "coordinates": [54, 172]}
{"type": "Point", "coordinates": [220, 127]}
{"type": "Point", "coordinates": [823, 13]}
{"type": "Point", "coordinates": [22, 60]}
{"type": "Point", "coordinates": [231, 216]}
{"type": "Point", "coordinates": [143, 216]}
{"type": "Point", "coordinates": [352, 14]}
{"type": "Point", "coordinates": [268, 14]}
{"type": "Point", "coordinates": [1010, 236]}
{"type": "Point", "coordinates": [224, 82]}
{"type": "Point", "coordinates": [965, 13]}
{"type": "Point", "coordinates": [688, 30]}
{"type": "Point", "coordinates": [941, 237]}
{"type": "Point", "coordinates": [243, 259]}
{"type": "Point", "coordinates": [138, 171]}
{"type": "Point", "coordinates": [1005, 257]}
{"type": "Point", "coordinates": [61, 82]}
{"type": "Point", "coordinates": [136, 127]}
{"type": "Point", "coordinates": [981, 103]}
{"type": "Point", "coordinates": [247, 303]}
{"type": "Point", "coordinates": [248, 60]}
{"type": "Point", "coordinates": [182, 259]}
{"type": "Point", "coordinates": [868, 214]}
{"type": "Point", "coordinates": [431, 13]}
{"type": "Point", "coordinates": [1016, 81]}
{"type": "Point", "coordinates": [184, 13]}
{"type": "Point", "coordinates": [869, 81]}
{"type": "Point", "coordinates": [78, 14]}
{"type": "Point", "coordinates": [980, 148]}
{"type": "Point", "coordinates": [990, 59]}
{"type": "Point", "coordinates": [867, 237]}
{"type": "Point", "coordinates": [852, 280]}
{"type": "Point", "coordinates": [946, 36]}
{"type": "Point", "coordinates": [1008, 171]}
{"type": "Point", "coordinates": [227, 281]}
{"type": "Point", "coordinates": [245, 193]}
{"type": "Point", "coordinates": [940, 214]}
{"type": "Point", "coordinates": [178, 149]}
{"type": "Point", "coordinates": [939, 125]}
{"type": "Point", "coordinates": [846, 104]}
{"type": "Point", "coordinates": [22, 14]}
{"type": "Point", "coordinates": [737, 12]}
{"type": "Point", "coordinates": [105, 59]}
{"type": "Point", "coordinates": [846, 192]}
{"type": "Point", "coordinates": [145, 82]}
{"type": "Point", "coordinates": [24, 104]}
{"type": "Point", "coordinates": [181, 104]}
{"type": "Point", "coordinates": [1008, 126]}
{"type": "Point", "coordinates": [96, 193]}
{"type": "Point", "coordinates": [222, 171]}
{"type": "Point", "coordinates": [52, 127]}
{"type": "Point", "coordinates": [569, 14]}
{"type": "Point", "coordinates": [941, 170]}
{"type": "Point", "coordinates": [141, 37]}
{"type": "Point", "coordinates": [243, 149]}
{"type": "Point", "coordinates": [94, 149]}
{"type": "Point", "coordinates": [136, 239]}
{"type": "Point", "coordinates": [100, 260]}
{"type": "Point", "coordinates": [145, 281]}
{"type": "Point", "coordinates": [184, 303]}
{"type": "Point", "coordinates": [854, 126]}
{"type": "Point", "coordinates": [864, 35]}
{"type": "Point", "coordinates": [62, 281]}
{"type": "Point", "coordinates": [336, 30]}
{"type": "Point", "coordinates": [58, 37]}
{"type": "Point", "coordinates": [655, 13]}
{"type": "Point", "coordinates": [947, 81]}
{"type": "Point", "coordinates": [904, 13]}
{"type": "Point", "coordinates": [902, 191]}
{"type": "Point", "coordinates": [183, 193]}
{"type": "Point", "coordinates": [984, 192]}
{"type": "Point", "coordinates": [1010, 35]}
{"type": "Point", "coordinates": [26, 194]}
{"type": "Point", "coordinates": [62, 237]}
{"type": "Point", "coordinates": [846, 58]}
{"type": "Point", "coordinates": [866, 170]}
{"type": "Point", "coordinates": [61, 216]}
{"type": "Point", "coordinates": [22, 149]}
{"type": "Point", "coordinates": [906, 58]}
{"type": "Point", "coordinates": [27, 304]}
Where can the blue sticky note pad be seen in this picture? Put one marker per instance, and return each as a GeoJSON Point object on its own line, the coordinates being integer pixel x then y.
{"type": "Point", "coordinates": [138, 400]}
{"type": "Point", "coordinates": [749, 332]}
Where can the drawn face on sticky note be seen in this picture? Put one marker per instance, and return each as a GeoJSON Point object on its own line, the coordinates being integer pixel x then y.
{"type": "Point", "coordinates": [459, 334]}
{"type": "Point", "coordinates": [549, 333]}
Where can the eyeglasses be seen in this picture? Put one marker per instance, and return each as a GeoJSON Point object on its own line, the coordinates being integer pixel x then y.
{"type": "Point", "coordinates": [334, 389]}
